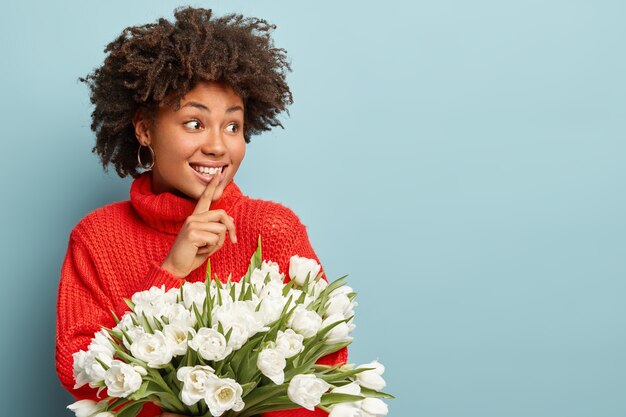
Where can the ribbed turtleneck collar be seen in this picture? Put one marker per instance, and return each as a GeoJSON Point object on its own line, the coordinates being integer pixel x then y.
{"type": "Point", "coordinates": [166, 212]}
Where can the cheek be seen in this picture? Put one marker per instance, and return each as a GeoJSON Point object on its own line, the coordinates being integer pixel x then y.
{"type": "Point", "coordinates": [238, 151]}
{"type": "Point", "coordinates": [176, 150]}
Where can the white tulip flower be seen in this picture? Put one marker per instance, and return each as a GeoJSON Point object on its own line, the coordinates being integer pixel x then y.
{"type": "Point", "coordinates": [153, 349]}
{"type": "Point", "coordinates": [271, 362]}
{"type": "Point", "coordinates": [289, 342]}
{"type": "Point", "coordinates": [300, 267]}
{"type": "Point", "coordinates": [121, 379]}
{"type": "Point", "coordinates": [194, 379]}
{"type": "Point", "coordinates": [85, 408]}
{"type": "Point", "coordinates": [373, 378]}
{"type": "Point", "coordinates": [306, 390]}
{"type": "Point", "coordinates": [340, 333]}
{"type": "Point", "coordinates": [373, 407]}
{"type": "Point", "coordinates": [223, 394]}
{"type": "Point", "coordinates": [305, 322]}
{"type": "Point", "coordinates": [210, 344]}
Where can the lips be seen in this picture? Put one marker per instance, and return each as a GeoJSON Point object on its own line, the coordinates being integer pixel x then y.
{"type": "Point", "coordinates": [208, 168]}
{"type": "Point", "coordinates": [206, 173]}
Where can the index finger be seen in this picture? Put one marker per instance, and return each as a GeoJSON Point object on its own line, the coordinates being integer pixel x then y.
{"type": "Point", "coordinates": [204, 202]}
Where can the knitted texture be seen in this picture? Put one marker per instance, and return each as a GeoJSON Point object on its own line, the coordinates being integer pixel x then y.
{"type": "Point", "coordinates": [118, 249]}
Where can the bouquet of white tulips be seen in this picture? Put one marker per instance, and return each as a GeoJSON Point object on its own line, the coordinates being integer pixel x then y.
{"type": "Point", "coordinates": [232, 349]}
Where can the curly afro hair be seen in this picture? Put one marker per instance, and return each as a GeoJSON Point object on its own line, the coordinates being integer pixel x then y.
{"type": "Point", "coordinates": [161, 62]}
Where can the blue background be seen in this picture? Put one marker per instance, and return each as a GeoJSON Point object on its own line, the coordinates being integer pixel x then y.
{"type": "Point", "coordinates": [463, 161]}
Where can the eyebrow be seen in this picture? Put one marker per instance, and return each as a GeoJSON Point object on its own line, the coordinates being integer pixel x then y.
{"type": "Point", "coordinates": [201, 106]}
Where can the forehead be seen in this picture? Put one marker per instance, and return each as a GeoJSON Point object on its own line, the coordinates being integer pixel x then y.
{"type": "Point", "coordinates": [212, 92]}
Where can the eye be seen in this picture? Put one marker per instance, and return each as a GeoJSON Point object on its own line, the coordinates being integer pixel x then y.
{"type": "Point", "coordinates": [193, 124]}
{"type": "Point", "coordinates": [233, 128]}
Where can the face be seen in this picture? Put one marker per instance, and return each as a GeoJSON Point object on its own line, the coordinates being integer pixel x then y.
{"type": "Point", "coordinates": [205, 134]}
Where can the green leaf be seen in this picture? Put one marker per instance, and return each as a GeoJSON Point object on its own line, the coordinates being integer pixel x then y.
{"type": "Point", "coordinates": [288, 286]}
{"type": "Point", "coordinates": [301, 299]}
{"type": "Point", "coordinates": [228, 371]}
{"type": "Point", "coordinates": [275, 403]}
{"type": "Point", "coordinates": [207, 287]}
{"type": "Point", "coordinates": [127, 337]}
{"type": "Point", "coordinates": [208, 270]}
{"type": "Point", "coordinates": [199, 318]}
{"type": "Point", "coordinates": [319, 305]}
{"type": "Point", "coordinates": [115, 402]}
{"type": "Point", "coordinates": [375, 394]}
{"type": "Point", "coordinates": [209, 303]}
{"type": "Point", "coordinates": [313, 355]}
{"type": "Point", "coordinates": [321, 334]}
{"type": "Point", "coordinates": [335, 284]}
{"type": "Point", "coordinates": [115, 334]}
{"type": "Point", "coordinates": [228, 333]}
{"type": "Point", "coordinates": [131, 359]}
{"type": "Point", "coordinates": [130, 410]}
{"type": "Point", "coordinates": [104, 365]}
{"type": "Point", "coordinates": [257, 258]}
{"type": "Point", "coordinates": [140, 393]}
{"type": "Point", "coordinates": [338, 376]}
{"type": "Point", "coordinates": [334, 398]}
{"type": "Point", "coordinates": [305, 286]}
{"type": "Point", "coordinates": [244, 357]}
{"type": "Point", "coordinates": [129, 303]}
{"type": "Point", "coordinates": [158, 324]}
{"type": "Point", "coordinates": [248, 387]}
{"type": "Point", "coordinates": [117, 320]}
{"type": "Point", "coordinates": [146, 323]}
{"type": "Point", "coordinates": [218, 284]}
{"type": "Point", "coordinates": [242, 292]}
{"type": "Point", "coordinates": [262, 394]}
{"type": "Point", "coordinates": [248, 295]}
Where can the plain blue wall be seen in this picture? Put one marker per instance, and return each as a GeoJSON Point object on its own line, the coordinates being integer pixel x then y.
{"type": "Point", "coordinates": [463, 161]}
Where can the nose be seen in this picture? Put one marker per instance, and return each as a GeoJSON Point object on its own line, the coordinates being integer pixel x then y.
{"type": "Point", "coordinates": [213, 143]}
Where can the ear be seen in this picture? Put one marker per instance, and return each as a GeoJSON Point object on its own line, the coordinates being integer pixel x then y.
{"type": "Point", "coordinates": [142, 128]}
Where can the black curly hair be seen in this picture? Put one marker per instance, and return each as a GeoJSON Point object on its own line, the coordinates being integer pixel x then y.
{"type": "Point", "coordinates": [161, 62]}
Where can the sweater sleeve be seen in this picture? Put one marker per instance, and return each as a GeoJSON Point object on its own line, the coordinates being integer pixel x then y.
{"type": "Point", "coordinates": [83, 307]}
{"type": "Point", "coordinates": [287, 236]}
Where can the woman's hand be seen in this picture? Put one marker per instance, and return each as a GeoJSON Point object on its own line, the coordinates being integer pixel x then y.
{"type": "Point", "coordinates": [202, 234]}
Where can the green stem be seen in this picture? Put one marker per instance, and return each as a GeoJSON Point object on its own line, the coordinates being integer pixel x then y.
{"type": "Point", "coordinates": [158, 379]}
{"type": "Point", "coordinates": [262, 397]}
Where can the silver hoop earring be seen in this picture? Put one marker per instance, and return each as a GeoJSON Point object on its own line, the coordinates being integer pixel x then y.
{"type": "Point", "coordinates": [141, 164]}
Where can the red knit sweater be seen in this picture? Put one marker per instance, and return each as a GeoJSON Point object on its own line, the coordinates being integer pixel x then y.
{"type": "Point", "coordinates": [118, 249]}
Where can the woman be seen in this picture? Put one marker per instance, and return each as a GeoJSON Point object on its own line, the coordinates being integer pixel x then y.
{"type": "Point", "coordinates": [182, 100]}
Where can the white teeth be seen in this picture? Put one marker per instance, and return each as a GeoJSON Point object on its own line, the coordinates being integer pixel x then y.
{"type": "Point", "coordinates": [207, 170]}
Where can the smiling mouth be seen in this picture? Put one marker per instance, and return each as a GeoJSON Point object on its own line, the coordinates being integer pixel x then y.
{"type": "Point", "coordinates": [207, 171]}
